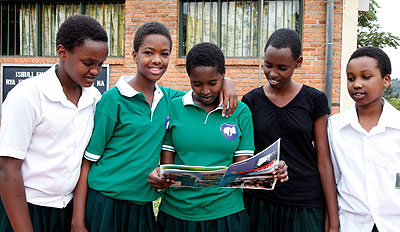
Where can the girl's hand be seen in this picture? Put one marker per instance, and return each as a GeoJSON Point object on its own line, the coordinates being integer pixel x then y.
{"type": "Point", "coordinates": [281, 171]}
{"type": "Point", "coordinates": [157, 182]}
{"type": "Point", "coordinates": [228, 97]}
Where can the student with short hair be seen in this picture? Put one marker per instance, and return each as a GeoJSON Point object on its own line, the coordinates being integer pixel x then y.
{"type": "Point", "coordinates": [365, 148]}
{"type": "Point", "coordinates": [297, 114]}
{"type": "Point", "coordinates": [196, 137]}
{"type": "Point", "coordinates": [113, 193]}
{"type": "Point", "coordinates": [47, 122]}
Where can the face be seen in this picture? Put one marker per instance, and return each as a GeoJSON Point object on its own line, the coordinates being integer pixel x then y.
{"type": "Point", "coordinates": [279, 66]}
{"type": "Point", "coordinates": [206, 84]}
{"type": "Point", "coordinates": [153, 57]}
{"type": "Point", "coordinates": [83, 63]}
{"type": "Point", "coordinates": [365, 82]}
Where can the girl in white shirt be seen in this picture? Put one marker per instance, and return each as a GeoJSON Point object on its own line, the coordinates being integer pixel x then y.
{"type": "Point", "coordinates": [46, 125]}
{"type": "Point", "coordinates": [365, 148]}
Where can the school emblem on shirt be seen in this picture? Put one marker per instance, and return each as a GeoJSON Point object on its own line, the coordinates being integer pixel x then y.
{"type": "Point", "coordinates": [229, 131]}
{"type": "Point", "coordinates": [166, 122]}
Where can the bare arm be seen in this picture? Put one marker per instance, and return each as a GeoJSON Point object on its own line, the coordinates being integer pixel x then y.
{"type": "Point", "coordinates": [80, 196]}
{"type": "Point", "coordinates": [12, 192]}
{"type": "Point", "coordinates": [167, 157]}
{"type": "Point", "coordinates": [326, 172]}
{"type": "Point", "coordinates": [240, 158]}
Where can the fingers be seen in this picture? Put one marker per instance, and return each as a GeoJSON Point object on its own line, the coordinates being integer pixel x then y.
{"type": "Point", "coordinates": [281, 171]}
{"type": "Point", "coordinates": [233, 103]}
{"type": "Point", "coordinates": [228, 97]}
{"type": "Point", "coordinates": [156, 181]}
{"type": "Point", "coordinates": [285, 179]}
{"type": "Point", "coordinates": [229, 103]}
{"type": "Point", "coordinates": [225, 102]}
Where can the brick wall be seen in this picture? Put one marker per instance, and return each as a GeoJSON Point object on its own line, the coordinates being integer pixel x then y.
{"type": "Point", "coordinates": [312, 72]}
{"type": "Point", "coordinates": [244, 72]}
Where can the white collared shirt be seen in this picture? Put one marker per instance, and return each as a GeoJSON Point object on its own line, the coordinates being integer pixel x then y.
{"type": "Point", "coordinates": [40, 126]}
{"type": "Point", "coordinates": [366, 165]}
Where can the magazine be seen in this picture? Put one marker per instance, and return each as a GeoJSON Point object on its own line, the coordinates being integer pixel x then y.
{"type": "Point", "coordinates": [252, 173]}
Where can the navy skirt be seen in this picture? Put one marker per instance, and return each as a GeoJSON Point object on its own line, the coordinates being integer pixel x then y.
{"type": "Point", "coordinates": [105, 214]}
{"type": "Point", "coordinates": [44, 219]}
{"type": "Point", "coordinates": [272, 217]}
{"type": "Point", "coordinates": [237, 222]}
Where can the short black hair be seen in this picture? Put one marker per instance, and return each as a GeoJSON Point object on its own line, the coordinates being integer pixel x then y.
{"type": "Point", "coordinates": [150, 28]}
{"type": "Point", "coordinates": [378, 54]}
{"type": "Point", "coordinates": [285, 38]}
{"type": "Point", "coordinates": [76, 29]}
{"type": "Point", "coordinates": [205, 54]}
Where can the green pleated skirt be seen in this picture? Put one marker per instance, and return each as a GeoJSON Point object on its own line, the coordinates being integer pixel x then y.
{"type": "Point", "coordinates": [272, 217]}
{"type": "Point", "coordinates": [105, 214]}
{"type": "Point", "coordinates": [237, 222]}
{"type": "Point", "coordinates": [44, 219]}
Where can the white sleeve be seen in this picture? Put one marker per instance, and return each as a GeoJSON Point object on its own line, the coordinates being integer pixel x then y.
{"type": "Point", "coordinates": [335, 165]}
{"type": "Point", "coordinates": [19, 116]}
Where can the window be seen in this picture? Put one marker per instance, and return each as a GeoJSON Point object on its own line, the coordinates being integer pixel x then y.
{"type": "Point", "coordinates": [234, 25]}
{"type": "Point", "coordinates": [28, 28]}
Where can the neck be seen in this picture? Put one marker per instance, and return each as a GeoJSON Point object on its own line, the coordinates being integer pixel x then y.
{"type": "Point", "coordinates": [65, 80]}
{"type": "Point", "coordinates": [142, 84]}
{"type": "Point", "coordinates": [285, 89]}
{"type": "Point", "coordinates": [71, 90]}
{"type": "Point", "coordinates": [368, 116]}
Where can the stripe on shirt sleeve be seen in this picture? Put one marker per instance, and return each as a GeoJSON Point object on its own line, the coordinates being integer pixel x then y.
{"type": "Point", "coordinates": [91, 157]}
{"type": "Point", "coordinates": [168, 148]}
{"type": "Point", "coordinates": [244, 152]}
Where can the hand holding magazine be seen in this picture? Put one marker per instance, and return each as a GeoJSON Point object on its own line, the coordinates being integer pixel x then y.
{"type": "Point", "coordinates": [252, 173]}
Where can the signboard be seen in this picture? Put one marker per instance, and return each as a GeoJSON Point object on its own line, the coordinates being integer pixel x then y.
{"type": "Point", "coordinates": [12, 74]}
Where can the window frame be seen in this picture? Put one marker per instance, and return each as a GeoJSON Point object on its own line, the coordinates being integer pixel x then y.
{"type": "Point", "coordinates": [39, 18]}
{"type": "Point", "coordinates": [260, 48]}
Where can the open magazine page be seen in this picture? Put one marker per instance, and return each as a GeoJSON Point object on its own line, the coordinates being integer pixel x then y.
{"type": "Point", "coordinates": [254, 173]}
{"type": "Point", "coordinates": [193, 176]}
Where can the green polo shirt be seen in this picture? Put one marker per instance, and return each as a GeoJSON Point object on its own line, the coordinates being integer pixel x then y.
{"type": "Point", "coordinates": [126, 141]}
{"type": "Point", "coordinates": [200, 138]}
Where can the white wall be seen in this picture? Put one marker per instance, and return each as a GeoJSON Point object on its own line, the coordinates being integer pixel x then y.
{"type": "Point", "coordinates": [349, 45]}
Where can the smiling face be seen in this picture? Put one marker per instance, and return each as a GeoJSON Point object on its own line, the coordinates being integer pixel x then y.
{"type": "Point", "coordinates": [83, 63]}
{"type": "Point", "coordinates": [279, 66]}
{"type": "Point", "coordinates": [153, 57]}
{"type": "Point", "coordinates": [206, 84]}
{"type": "Point", "coordinates": [365, 82]}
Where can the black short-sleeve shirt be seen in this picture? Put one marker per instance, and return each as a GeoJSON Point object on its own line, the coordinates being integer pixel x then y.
{"type": "Point", "coordinates": [294, 124]}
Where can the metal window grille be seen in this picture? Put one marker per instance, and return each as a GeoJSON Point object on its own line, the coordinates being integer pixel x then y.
{"type": "Point", "coordinates": [28, 28]}
{"type": "Point", "coordinates": [234, 24]}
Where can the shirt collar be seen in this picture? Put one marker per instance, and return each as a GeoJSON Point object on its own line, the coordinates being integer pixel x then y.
{"type": "Point", "coordinates": [53, 90]}
{"type": "Point", "coordinates": [388, 118]}
{"type": "Point", "coordinates": [126, 90]}
{"type": "Point", "coordinates": [51, 85]}
{"type": "Point", "coordinates": [188, 100]}
{"type": "Point", "coordinates": [349, 117]}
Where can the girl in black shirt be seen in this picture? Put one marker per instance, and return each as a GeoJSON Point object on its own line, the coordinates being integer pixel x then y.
{"type": "Point", "coordinates": [297, 114]}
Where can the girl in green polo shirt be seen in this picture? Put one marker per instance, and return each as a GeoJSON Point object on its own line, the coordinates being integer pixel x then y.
{"type": "Point", "coordinates": [196, 137]}
{"type": "Point", "coordinates": [113, 193]}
